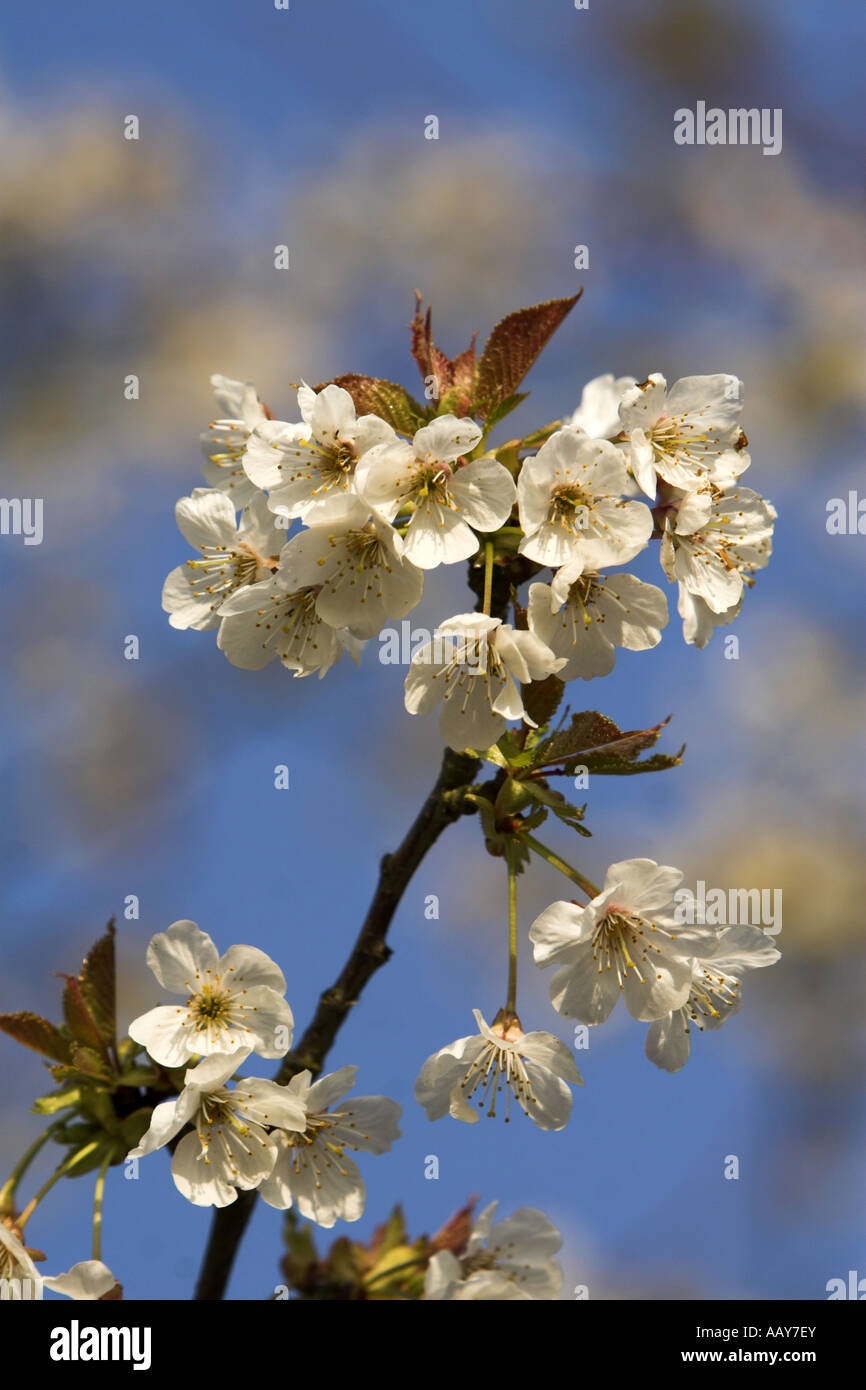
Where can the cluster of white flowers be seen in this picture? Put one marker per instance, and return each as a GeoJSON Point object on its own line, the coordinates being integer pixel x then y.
{"type": "Point", "coordinates": [625, 943]}
{"type": "Point", "coordinates": [289, 1141]}
{"type": "Point", "coordinates": [378, 509]}
{"type": "Point", "coordinates": [21, 1281]}
{"type": "Point", "coordinates": [512, 1260]}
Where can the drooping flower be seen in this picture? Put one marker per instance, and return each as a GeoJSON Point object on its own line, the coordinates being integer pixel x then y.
{"type": "Point", "coordinates": [699, 620]}
{"type": "Point", "coordinates": [473, 666]}
{"type": "Point", "coordinates": [534, 1068]}
{"type": "Point", "coordinates": [313, 1171]}
{"type": "Point", "coordinates": [264, 621]}
{"type": "Point", "coordinates": [690, 436]}
{"type": "Point", "coordinates": [360, 570]}
{"type": "Point", "coordinates": [234, 1001]}
{"type": "Point", "coordinates": [598, 412]}
{"type": "Point", "coordinates": [16, 1263]}
{"type": "Point", "coordinates": [626, 942]}
{"type": "Point", "coordinates": [308, 469]}
{"type": "Point", "coordinates": [571, 508]}
{"type": "Point", "coordinates": [713, 542]}
{"type": "Point", "coordinates": [513, 1260]}
{"type": "Point", "coordinates": [224, 442]}
{"type": "Point", "coordinates": [447, 499]}
{"type": "Point", "coordinates": [714, 993]}
{"type": "Point", "coordinates": [231, 555]}
{"type": "Point", "coordinates": [89, 1280]}
{"type": "Point", "coordinates": [583, 617]}
{"type": "Point", "coordinates": [230, 1147]}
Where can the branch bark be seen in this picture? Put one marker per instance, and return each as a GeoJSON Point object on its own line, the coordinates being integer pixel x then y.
{"type": "Point", "coordinates": [445, 804]}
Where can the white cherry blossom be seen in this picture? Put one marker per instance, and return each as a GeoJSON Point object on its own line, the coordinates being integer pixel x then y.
{"type": "Point", "coordinates": [474, 666]}
{"type": "Point", "coordinates": [713, 542]}
{"type": "Point", "coordinates": [714, 994]}
{"type": "Point", "coordinates": [264, 621]}
{"type": "Point", "coordinates": [510, 1261]}
{"type": "Point", "coordinates": [308, 469]}
{"type": "Point", "coordinates": [534, 1068]}
{"type": "Point", "coordinates": [230, 1147]}
{"type": "Point", "coordinates": [87, 1281]}
{"type": "Point", "coordinates": [624, 942]}
{"type": "Point", "coordinates": [312, 1171]}
{"type": "Point", "coordinates": [233, 1001]}
{"type": "Point", "coordinates": [690, 436]}
{"type": "Point", "coordinates": [584, 617]}
{"type": "Point", "coordinates": [231, 555]}
{"type": "Point", "coordinates": [447, 499]}
{"type": "Point", "coordinates": [598, 412]}
{"type": "Point", "coordinates": [16, 1261]}
{"type": "Point", "coordinates": [360, 569]}
{"type": "Point", "coordinates": [224, 442]}
{"type": "Point", "coordinates": [571, 507]}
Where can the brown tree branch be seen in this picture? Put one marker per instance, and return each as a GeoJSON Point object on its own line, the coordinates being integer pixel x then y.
{"type": "Point", "coordinates": [445, 803]}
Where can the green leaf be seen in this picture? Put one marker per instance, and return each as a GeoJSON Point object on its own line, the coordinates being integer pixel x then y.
{"type": "Point", "coordinates": [97, 981]}
{"type": "Point", "coordinates": [79, 1020]}
{"type": "Point", "coordinates": [392, 1234]}
{"type": "Point", "coordinates": [57, 1100]}
{"type": "Point", "coordinates": [134, 1126]}
{"type": "Point", "coordinates": [556, 802]}
{"type": "Point", "coordinates": [31, 1030]}
{"type": "Point", "coordinates": [504, 408]}
{"type": "Point", "coordinates": [91, 1063]}
{"type": "Point", "coordinates": [539, 437]}
{"type": "Point", "coordinates": [512, 348]}
{"type": "Point", "coordinates": [387, 399]}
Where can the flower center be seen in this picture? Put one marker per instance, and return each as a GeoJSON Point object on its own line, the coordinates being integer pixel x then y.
{"type": "Point", "coordinates": [620, 943]}
{"type": "Point", "coordinates": [498, 1069]}
{"type": "Point", "coordinates": [569, 508]}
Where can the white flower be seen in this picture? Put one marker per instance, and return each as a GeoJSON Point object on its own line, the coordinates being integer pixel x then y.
{"type": "Point", "coordinates": [583, 617]}
{"type": "Point", "coordinates": [598, 412]}
{"type": "Point", "coordinates": [699, 620]}
{"type": "Point", "coordinates": [713, 542]}
{"type": "Point", "coordinates": [570, 504]}
{"type": "Point", "coordinates": [86, 1281]}
{"type": "Point", "coordinates": [234, 1001]}
{"type": "Point", "coordinates": [224, 442]}
{"type": "Point", "coordinates": [309, 468]}
{"type": "Point", "coordinates": [626, 941]}
{"type": "Point", "coordinates": [231, 1147]}
{"type": "Point", "coordinates": [513, 1260]}
{"type": "Point", "coordinates": [689, 436]}
{"type": "Point", "coordinates": [472, 666]}
{"type": "Point", "coordinates": [447, 500]}
{"type": "Point", "coordinates": [15, 1259]}
{"type": "Point", "coordinates": [232, 555]}
{"type": "Point", "coordinates": [265, 620]}
{"type": "Point", "coordinates": [533, 1067]}
{"type": "Point", "coordinates": [714, 994]}
{"type": "Point", "coordinates": [312, 1170]}
{"type": "Point", "coordinates": [363, 574]}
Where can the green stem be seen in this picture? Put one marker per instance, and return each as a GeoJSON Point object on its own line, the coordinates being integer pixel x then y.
{"type": "Point", "coordinates": [55, 1176]}
{"type": "Point", "coordinates": [488, 576]}
{"type": "Point", "coordinates": [586, 884]}
{"type": "Point", "coordinates": [511, 1002]}
{"type": "Point", "coordinates": [98, 1194]}
{"type": "Point", "coordinates": [10, 1187]}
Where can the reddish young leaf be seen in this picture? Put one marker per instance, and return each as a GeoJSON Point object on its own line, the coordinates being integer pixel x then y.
{"type": "Point", "coordinates": [31, 1030]}
{"type": "Point", "coordinates": [97, 980]}
{"type": "Point", "coordinates": [512, 348]}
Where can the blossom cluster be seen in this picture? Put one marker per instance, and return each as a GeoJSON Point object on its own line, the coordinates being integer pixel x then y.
{"type": "Point", "coordinates": [377, 508]}
{"type": "Point", "coordinates": [287, 1141]}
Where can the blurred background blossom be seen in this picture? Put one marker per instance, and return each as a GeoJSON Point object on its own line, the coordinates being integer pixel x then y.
{"type": "Point", "coordinates": [155, 777]}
